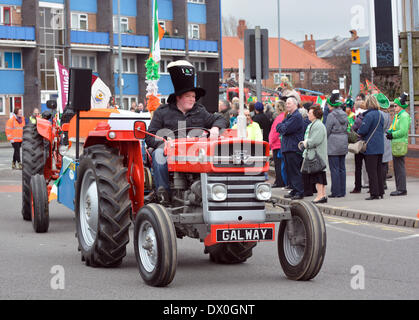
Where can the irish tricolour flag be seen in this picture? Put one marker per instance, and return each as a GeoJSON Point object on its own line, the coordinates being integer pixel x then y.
{"type": "Point", "coordinates": [158, 33]}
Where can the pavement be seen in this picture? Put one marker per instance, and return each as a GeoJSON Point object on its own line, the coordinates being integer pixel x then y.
{"type": "Point", "coordinates": [400, 211]}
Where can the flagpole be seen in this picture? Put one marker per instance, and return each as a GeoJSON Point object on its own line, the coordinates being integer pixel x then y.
{"type": "Point", "coordinates": [120, 80]}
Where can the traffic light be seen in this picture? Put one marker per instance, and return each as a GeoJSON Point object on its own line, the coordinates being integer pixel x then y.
{"type": "Point", "coordinates": [356, 56]}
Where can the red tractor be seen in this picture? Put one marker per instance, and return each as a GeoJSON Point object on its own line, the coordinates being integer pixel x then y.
{"type": "Point", "coordinates": [41, 165]}
{"type": "Point", "coordinates": [220, 197]}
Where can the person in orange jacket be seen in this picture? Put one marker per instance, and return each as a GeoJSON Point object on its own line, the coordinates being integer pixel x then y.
{"type": "Point", "coordinates": [14, 133]}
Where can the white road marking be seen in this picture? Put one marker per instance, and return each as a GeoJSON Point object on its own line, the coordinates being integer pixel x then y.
{"type": "Point", "coordinates": [412, 236]}
{"type": "Point", "coordinates": [358, 233]}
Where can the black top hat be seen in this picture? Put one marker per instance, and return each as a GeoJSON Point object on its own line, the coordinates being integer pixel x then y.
{"type": "Point", "coordinates": [182, 74]}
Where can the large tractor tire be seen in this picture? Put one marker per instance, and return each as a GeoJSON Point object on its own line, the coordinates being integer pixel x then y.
{"type": "Point", "coordinates": [33, 163]}
{"type": "Point", "coordinates": [39, 204]}
{"type": "Point", "coordinates": [301, 255]}
{"type": "Point", "coordinates": [230, 253]}
{"type": "Point", "coordinates": [155, 245]}
{"type": "Point", "coordinates": [102, 207]}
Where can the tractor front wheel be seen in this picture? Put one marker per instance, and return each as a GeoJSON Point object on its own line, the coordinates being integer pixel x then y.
{"type": "Point", "coordinates": [155, 245]}
{"type": "Point", "coordinates": [39, 204]}
{"type": "Point", "coordinates": [302, 242]}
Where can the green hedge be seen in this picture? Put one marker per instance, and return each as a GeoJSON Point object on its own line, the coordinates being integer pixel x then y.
{"type": "Point", "coordinates": [3, 137]}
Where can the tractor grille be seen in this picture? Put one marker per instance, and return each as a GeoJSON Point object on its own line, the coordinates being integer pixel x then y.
{"type": "Point", "coordinates": [244, 154]}
{"type": "Point", "coordinates": [241, 192]}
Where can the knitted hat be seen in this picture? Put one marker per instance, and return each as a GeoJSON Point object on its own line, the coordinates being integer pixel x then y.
{"type": "Point", "coordinates": [259, 106]}
{"type": "Point", "coordinates": [402, 100]}
{"type": "Point", "coordinates": [382, 100]}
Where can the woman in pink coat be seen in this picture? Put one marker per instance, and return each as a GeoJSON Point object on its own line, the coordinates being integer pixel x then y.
{"type": "Point", "coordinates": [275, 145]}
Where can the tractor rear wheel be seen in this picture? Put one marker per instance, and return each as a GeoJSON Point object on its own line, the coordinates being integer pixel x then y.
{"type": "Point", "coordinates": [102, 207]}
{"type": "Point", "coordinates": [230, 253]}
{"type": "Point", "coordinates": [39, 204]}
{"type": "Point", "coordinates": [301, 253]}
{"type": "Point", "coordinates": [155, 245]}
{"type": "Point", "coordinates": [33, 163]}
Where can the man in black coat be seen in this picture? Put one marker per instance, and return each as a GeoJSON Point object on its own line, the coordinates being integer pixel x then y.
{"type": "Point", "coordinates": [263, 121]}
{"type": "Point", "coordinates": [292, 132]}
{"type": "Point", "coordinates": [171, 119]}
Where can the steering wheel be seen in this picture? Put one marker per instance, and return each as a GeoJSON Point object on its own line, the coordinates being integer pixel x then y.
{"type": "Point", "coordinates": [194, 130]}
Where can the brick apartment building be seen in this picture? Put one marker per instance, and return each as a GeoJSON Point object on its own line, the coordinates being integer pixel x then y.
{"type": "Point", "coordinates": [83, 33]}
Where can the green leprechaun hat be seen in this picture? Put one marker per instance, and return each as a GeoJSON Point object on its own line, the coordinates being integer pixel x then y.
{"type": "Point", "coordinates": [402, 100]}
{"type": "Point", "coordinates": [333, 100]}
{"type": "Point", "coordinates": [382, 100]}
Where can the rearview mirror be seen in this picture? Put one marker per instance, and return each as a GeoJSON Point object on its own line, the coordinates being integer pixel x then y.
{"type": "Point", "coordinates": [139, 129]}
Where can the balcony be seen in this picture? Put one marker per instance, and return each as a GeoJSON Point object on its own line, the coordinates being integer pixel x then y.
{"type": "Point", "coordinates": [17, 33]}
{"type": "Point", "coordinates": [131, 40]}
{"type": "Point", "coordinates": [168, 43]}
{"type": "Point", "coordinates": [203, 46]}
{"type": "Point", "coordinates": [86, 37]}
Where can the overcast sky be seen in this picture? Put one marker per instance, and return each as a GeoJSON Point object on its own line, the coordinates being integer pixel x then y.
{"type": "Point", "coordinates": [322, 18]}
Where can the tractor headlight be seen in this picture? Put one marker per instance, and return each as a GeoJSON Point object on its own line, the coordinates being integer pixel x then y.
{"type": "Point", "coordinates": [263, 191]}
{"type": "Point", "coordinates": [217, 192]}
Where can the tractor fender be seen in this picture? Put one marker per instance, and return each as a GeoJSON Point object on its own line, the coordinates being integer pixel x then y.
{"type": "Point", "coordinates": [44, 128]}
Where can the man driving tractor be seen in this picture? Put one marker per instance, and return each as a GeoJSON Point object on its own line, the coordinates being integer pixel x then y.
{"type": "Point", "coordinates": [181, 111]}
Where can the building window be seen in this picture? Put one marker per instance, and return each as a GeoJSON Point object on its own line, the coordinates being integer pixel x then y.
{"type": "Point", "coordinates": [126, 102]}
{"type": "Point", "coordinates": [200, 65]}
{"type": "Point", "coordinates": [277, 77]}
{"type": "Point", "coordinates": [302, 76]}
{"type": "Point", "coordinates": [162, 24]}
{"type": "Point", "coordinates": [84, 61]}
{"type": "Point", "coordinates": [15, 102]}
{"type": "Point", "coordinates": [5, 16]}
{"type": "Point", "coordinates": [124, 24]}
{"type": "Point", "coordinates": [10, 60]}
{"type": "Point", "coordinates": [79, 21]}
{"type": "Point", "coordinates": [197, 1]}
{"type": "Point", "coordinates": [163, 65]}
{"type": "Point", "coordinates": [2, 106]}
{"type": "Point", "coordinates": [129, 64]}
{"type": "Point", "coordinates": [320, 77]}
{"type": "Point", "coordinates": [193, 31]}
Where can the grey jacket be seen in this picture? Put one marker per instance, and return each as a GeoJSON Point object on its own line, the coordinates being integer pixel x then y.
{"type": "Point", "coordinates": [316, 140]}
{"type": "Point", "coordinates": [337, 134]}
{"type": "Point", "coordinates": [387, 156]}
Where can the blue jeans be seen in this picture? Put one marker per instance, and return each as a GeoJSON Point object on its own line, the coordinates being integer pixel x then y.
{"type": "Point", "coordinates": [338, 175]}
{"type": "Point", "coordinates": [160, 170]}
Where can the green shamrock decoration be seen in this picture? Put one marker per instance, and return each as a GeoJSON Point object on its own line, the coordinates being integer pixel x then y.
{"type": "Point", "coordinates": [153, 69]}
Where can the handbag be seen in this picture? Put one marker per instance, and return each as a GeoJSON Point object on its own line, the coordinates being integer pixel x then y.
{"type": "Point", "coordinates": [361, 146]}
{"type": "Point", "coordinates": [357, 147]}
{"type": "Point", "coordinates": [399, 149]}
{"type": "Point", "coordinates": [313, 165]}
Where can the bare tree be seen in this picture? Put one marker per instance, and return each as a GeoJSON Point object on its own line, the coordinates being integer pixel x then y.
{"type": "Point", "coordinates": [229, 24]}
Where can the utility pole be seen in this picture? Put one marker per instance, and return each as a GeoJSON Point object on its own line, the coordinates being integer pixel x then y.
{"type": "Point", "coordinates": [279, 39]}
{"type": "Point", "coordinates": [258, 64]}
{"type": "Point", "coordinates": [120, 80]}
{"type": "Point", "coordinates": [409, 28]}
